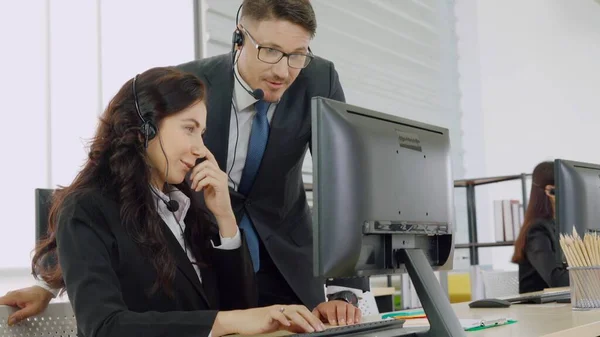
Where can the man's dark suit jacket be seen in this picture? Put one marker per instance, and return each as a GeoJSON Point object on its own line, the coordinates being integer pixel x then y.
{"type": "Point", "coordinates": [277, 202]}
{"type": "Point", "coordinates": [540, 270]}
{"type": "Point", "coordinates": [107, 277]}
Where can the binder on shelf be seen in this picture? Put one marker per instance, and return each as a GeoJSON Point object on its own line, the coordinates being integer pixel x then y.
{"type": "Point", "coordinates": [509, 234]}
{"type": "Point", "coordinates": [508, 218]}
{"type": "Point", "coordinates": [498, 221]}
{"type": "Point", "coordinates": [516, 217]}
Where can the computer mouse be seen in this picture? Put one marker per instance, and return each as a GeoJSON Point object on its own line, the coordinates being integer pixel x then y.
{"type": "Point", "coordinates": [489, 303]}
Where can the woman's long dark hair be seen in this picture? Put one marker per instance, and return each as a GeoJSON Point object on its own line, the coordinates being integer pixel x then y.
{"type": "Point", "coordinates": [539, 207]}
{"type": "Point", "coordinates": [117, 165]}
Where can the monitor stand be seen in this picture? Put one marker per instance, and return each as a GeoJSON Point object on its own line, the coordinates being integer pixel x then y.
{"type": "Point", "coordinates": [442, 318]}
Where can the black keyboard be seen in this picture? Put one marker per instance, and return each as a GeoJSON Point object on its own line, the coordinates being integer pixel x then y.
{"type": "Point", "coordinates": [356, 328]}
{"type": "Point", "coordinates": [541, 298]}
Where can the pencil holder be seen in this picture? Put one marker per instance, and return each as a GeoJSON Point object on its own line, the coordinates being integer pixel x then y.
{"type": "Point", "coordinates": [585, 287]}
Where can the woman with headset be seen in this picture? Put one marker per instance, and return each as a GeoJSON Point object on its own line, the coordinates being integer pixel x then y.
{"type": "Point", "coordinates": [135, 256]}
{"type": "Point", "coordinates": [537, 246]}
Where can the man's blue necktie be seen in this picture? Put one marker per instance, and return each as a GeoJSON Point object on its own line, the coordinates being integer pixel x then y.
{"type": "Point", "coordinates": [256, 148]}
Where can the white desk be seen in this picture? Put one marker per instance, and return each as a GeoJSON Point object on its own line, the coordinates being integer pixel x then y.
{"type": "Point", "coordinates": [549, 320]}
{"type": "Point", "coordinates": [552, 319]}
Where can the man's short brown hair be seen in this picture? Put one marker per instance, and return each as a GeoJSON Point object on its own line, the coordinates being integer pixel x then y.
{"type": "Point", "coordinates": [299, 12]}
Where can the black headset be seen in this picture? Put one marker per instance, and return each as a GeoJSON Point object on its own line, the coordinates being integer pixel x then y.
{"type": "Point", "coordinates": [148, 128]}
{"type": "Point", "coordinates": [238, 36]}
{"type": "Point", "coordinates": [238, 40]}
{"type": "Point", "coordinates": [551, 191]}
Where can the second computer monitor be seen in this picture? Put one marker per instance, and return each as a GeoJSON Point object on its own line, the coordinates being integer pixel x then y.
{"type": "Point", "coordinates": [381, 183]}
{"type": "Point", "coordinates": [577, 196]}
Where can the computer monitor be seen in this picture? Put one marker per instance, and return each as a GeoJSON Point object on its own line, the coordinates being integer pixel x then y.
{"type": "Point", "coordinates": [577, 195]}
{"type": "Point", "coordinates": [379, 182]}
{"type": "Point", "coordinates": [383, 201]}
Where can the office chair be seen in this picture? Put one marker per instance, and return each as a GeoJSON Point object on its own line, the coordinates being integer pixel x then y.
{"type": "Point", "coordinates": [500, 283]}
{"type": "Point", "coordinates": [43, 197]}
{"type": "Point", "coordinates": [57, 320]}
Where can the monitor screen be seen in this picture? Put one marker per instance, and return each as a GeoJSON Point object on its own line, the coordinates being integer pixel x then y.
{"type": "Point", "coordinates": [577, 195]}
{"type": "Point", "coordinates": [381, 183]}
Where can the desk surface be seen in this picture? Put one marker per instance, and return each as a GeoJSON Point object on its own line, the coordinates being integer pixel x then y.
{"type": "Point", "coordinates": [550, 320]}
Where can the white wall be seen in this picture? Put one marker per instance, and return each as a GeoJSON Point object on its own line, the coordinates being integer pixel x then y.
{"type": "Point", "coordinates": [60, 70]}
{"type": "Point", "coordinates": [537, 66]}
{"type": "Point", "coordinates": [471, 122]}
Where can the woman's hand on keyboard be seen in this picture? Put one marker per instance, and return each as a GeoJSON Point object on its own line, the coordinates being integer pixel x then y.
{"type": "Point", "coordinates": [295, 318]}
{"type": "Point", "coordinates": [338, 313]}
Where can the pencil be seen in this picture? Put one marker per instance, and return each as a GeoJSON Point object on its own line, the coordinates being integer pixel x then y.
{"type": "Point", "coordinates": [583, 258]}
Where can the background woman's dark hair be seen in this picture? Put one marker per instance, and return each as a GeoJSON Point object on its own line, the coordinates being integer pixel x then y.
{"type": "Point", "coordinates": [117, 165]}
{"type": "Point", "coordinates": [539, 207]}
{"type": "Point", "coordinates": [299, 12]}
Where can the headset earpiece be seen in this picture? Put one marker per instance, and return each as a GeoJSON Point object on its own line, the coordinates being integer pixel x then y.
{"type": "Point", "coordinates": [238, 39]}
{"type": "Point", "coordinates": [238, 36]}
{"type": "Point", "coordinates": [148, 128]}
{"type": "Point", "coordinates": [149, 131]}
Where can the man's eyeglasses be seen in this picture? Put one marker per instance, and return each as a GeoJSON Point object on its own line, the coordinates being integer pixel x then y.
{"type": "Point", "coordinates": [273, 56]}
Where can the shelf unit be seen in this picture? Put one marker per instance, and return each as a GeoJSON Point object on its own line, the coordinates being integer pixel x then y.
{"type": "Point", "coordinates": [484, 244]}
{"type": "Point", "coordinates": [469, 184]}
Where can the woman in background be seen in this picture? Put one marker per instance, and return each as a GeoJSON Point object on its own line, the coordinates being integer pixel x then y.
{"type": "Point", "coordinates": [537, 245]}
{"type": "Point", "coordinates": [136, 255]}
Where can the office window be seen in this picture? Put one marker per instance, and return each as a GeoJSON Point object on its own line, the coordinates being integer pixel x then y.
{"type": "Point", "coordinates": [60, 72]}
{"type": "Point", "coordinates": [140, 34]}
{"type": "Point", "coordinates": [23, 93]}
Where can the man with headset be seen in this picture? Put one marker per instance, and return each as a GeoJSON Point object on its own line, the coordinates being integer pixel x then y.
{"type": "Point", "coordinates": [259, 128]}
